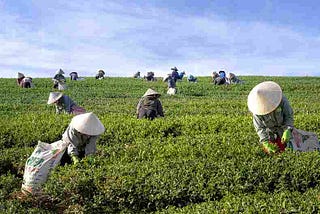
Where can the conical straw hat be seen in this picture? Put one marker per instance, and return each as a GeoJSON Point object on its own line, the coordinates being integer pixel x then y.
{"type": "Point", "coordinates": [54, 96]}
{"type": "Point", "coordinates": [87, 123]}
{"type": "Point", "coordinates": [264, 98]}
{"type": "Point", "coordinates": [20, 75]}
{"type": "Point", "coordinates": [151, 92]}
{"type": "Point", "coordinates": [60, 71]}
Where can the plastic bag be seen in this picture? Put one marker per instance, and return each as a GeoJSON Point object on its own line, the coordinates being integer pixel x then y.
{"type": "Point", "coordinates": [304, 141]}
{"type": "Point", "coordinates": [172, 91]}
{"type": "Point", "coordinates": [38, 166]}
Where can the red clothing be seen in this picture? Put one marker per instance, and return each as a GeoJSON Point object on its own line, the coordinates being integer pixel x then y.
{"type": "Point", "coordinates": [277, 142]}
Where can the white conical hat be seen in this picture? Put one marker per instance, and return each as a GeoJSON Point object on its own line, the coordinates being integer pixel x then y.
{"type": "Point", "coordinates": [20, 75]}
{"type": "Point", "coordinates": [264, 98]}
{"type": "Point", "coordinates": [54, 96]}
{"type": "Point", "coordinates": [151, 92]}
{"type": "Point", "coordinates": [87, 123]}
{"type": "Point", "coordinates": [60, 71]}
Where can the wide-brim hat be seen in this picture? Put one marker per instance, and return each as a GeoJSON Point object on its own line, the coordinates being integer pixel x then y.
{"type": "Point", "coordinates": [151, 92]}
{"type": "Point", "coordinates": [60, 71]}
{"type": "Point", "coordinates": [20, 75]}
{"type": "Point", "coordinates": [87, 123]}
{"type": "Point", "coordinates": [264, 98]}
{"type": "Point", "coordinates": [174, 69]}
{"type": "Point", "coordinates": [54, 96]}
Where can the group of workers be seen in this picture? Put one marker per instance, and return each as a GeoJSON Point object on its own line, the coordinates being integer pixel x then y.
{"type": "Point", "coordinates": [220, 78]}
{"type": "Point", "coordinates": [174, 74]}
{"type": "Point", "coordinates": [272, 114]}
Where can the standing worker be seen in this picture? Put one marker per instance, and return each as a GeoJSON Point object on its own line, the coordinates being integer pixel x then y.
{"type": "Point", "coordinates": [64, 104]}
{"type": "Point", "coordinates": [174, 73]}
{"type": "Point", "coordinates": [149, 105]}
{"type": "Point", "coordinates": [272, 116]}
{"type": "Point", "coordinates": [59, 80]}
{"type": "Point", "coordinates": [172, 90]}
{"type": "Point", "coordinates": [81, 135]}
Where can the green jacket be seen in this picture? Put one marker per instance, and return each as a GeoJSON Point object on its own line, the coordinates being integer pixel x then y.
{"type": "Point", "coordinates": [272, 125]}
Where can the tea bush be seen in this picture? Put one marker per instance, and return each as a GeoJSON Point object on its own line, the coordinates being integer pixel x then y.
{"type": "Point", "coordinates": [203, 157]}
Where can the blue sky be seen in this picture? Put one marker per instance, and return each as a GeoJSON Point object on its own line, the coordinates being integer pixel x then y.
{"type": "Point", "coordinates": [246, 37]}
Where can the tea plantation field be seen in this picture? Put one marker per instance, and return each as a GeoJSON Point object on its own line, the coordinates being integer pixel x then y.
{"type": "Point", "coordinates": [203, 157]}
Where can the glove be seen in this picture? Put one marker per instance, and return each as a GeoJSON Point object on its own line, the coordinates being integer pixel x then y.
{"type": "Point", "coordinates": [286, 136]}
{"type": "Point", "coordinates": [269, 148]}
{"type": "Point", "coordinates": [75, 159]}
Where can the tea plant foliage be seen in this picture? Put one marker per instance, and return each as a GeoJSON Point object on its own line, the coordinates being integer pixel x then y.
{"type": "Point", "coordinates": [203, 157]}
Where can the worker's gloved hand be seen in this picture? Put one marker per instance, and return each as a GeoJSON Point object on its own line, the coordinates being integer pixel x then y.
{"type": "Point", "coordinates": [286, 136]}
{"type": "Point", "coordinates": [75, 159]}
{"type": "Point", "coordinates": [269, 148]}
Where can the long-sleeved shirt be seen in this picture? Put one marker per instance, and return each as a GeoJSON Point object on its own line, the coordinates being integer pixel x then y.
{"type": "Point", "coordinates": [65, 103]}
{"type": "Point", "coordinates": [274, 123]}
{"type": "Point", "coordinates": [79, 142]}
{"type": "Point", "coordinates": [145, 104]}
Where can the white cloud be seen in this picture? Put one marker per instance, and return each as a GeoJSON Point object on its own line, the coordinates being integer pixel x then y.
{"type": "Point", "coordinates": [82, 36]}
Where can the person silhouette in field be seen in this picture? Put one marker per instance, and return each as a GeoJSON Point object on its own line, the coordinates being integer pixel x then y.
{"type": "Point", "coordinates": [175, 74]}
{"type": "Point", "coordinates": [233, 79]}
{"type": "Point", "coordinates": [272, 116]}
{"type": "Point", "coordinates": [191, 78]}
{"type": "Point", "coordinates": [59, 80]}
{"type": "Point", "coordinates": [150, 76]}
{"type": "Point", "coordinates": [221, 79]}
{"type": "Point", "coordinates": [100, 74]}
{"type": "Point", "coordinates": [172, 90]}
{"type": "Point", "coordinates": [64, 104]}
{"type": "Point", "coordinates": [137, 75]}
{"type": "Point", "coordinates": [149, 105]}
{"type": "Point", "coordinates": [74, 75]}
{"type": "Point", "coordinates": [214, 76]}
{"type": "Point", "coordinates": [24, 82]}
{"type": "Point", "coordinates": [81, 136]}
